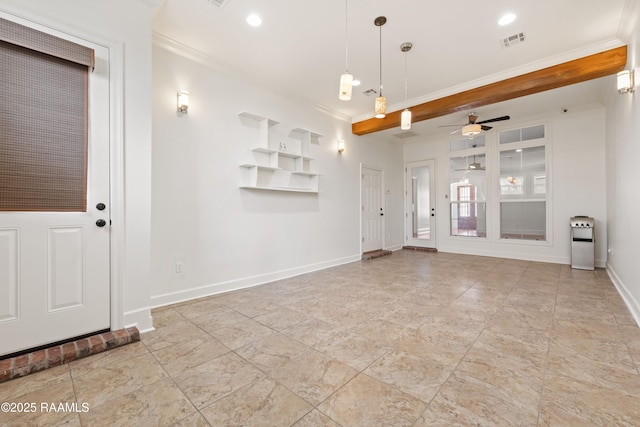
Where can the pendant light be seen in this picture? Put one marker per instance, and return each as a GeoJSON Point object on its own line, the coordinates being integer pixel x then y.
{"type": "Point", "coordinates": [381, 101]}
{"type": "Point", "coordinates": [405, 117]}
{"type": "Point", "coordinates": [346, 79]}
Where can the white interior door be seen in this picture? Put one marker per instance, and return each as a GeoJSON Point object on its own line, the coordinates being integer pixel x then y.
{"type": "Point", "coordinates": [420, 209]}
{"type": "Point", "coordinates": [372, 209]}
{"type": "Point", "coordinates": [55, 266]}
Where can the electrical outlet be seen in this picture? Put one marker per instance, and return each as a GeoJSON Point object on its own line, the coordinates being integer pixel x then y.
{"type": "Point", "coordinates": [179, 267]}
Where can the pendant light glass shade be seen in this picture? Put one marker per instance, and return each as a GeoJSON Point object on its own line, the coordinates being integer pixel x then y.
{"type": "Point", "coordinates": [405, 117]}
{"type": "Point", "coordinates": [381, 107]}
{"type": "Point", "coordinates": [405, 120]}
{"type": "Point", "coordinates": [346, 86]}
{"type": "Point", "coordinates": [346, 79]}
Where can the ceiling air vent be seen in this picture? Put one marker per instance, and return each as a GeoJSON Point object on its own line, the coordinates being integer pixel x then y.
{"type": "Point", "coordinates": [219, 3]}
{"type": "Point", "coordinates": [511, 40]}
{"type": "Point", "coordinates": [404, 135]}
{"type": "Point", "coordinates": [370, 92]}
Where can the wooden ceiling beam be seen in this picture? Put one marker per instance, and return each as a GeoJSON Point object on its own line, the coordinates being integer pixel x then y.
{"type": "Point", "coordinates": [568, 73]}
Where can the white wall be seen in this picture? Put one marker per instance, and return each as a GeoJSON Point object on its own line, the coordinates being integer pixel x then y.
{"type": "Point", "coordinates": [577, 144]}
{"type": "Point", "coordinates": [623, 176]}
{"type": "Point", "coordinates": [227, 237]}
{"type": "Point", "coordinates": [124, 26]}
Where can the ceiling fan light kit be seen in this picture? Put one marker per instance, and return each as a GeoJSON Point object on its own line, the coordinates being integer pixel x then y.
{"type": "Point", "coordinates": [471, 130]}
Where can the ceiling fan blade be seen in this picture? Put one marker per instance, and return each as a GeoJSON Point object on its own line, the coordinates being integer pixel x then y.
{"type": "Point", "coordinates": [447, 126]}
{"type": "Point", "coordinates": [485, 127]}
{"type": "Point", "coordinates": [496, 119]}
{"type": "Point", "coordinates": [455, 131]}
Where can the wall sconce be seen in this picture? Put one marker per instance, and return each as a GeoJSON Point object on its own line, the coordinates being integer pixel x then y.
{"type": "Point", "coordinates": [183, 101]}
{"type": "Point", "coordinates": [625, 81]}
{"type": "Point", "coordinates": [340, 146]}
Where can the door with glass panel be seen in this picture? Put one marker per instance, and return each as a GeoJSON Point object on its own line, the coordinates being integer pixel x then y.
{"type": "Point", "coordinates": [54, 192]}
{"type": "Point", "coordinates": [420, 209]}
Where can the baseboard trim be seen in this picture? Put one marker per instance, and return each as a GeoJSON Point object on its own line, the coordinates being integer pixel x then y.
{"type": "Point", "coordinates": [627, 296]}
{"type": "Point", "coordinates": [243, 283]}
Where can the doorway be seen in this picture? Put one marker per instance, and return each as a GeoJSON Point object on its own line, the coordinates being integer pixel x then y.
{"type": "Point", "coordinates": [372, 213]}
{"type": "Point", "coordinates": [55, 261]}
{"type": "Point", "coordinates": [420, 208]}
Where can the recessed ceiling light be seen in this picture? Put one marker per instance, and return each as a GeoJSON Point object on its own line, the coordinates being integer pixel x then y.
{"type": "Point", "coordinates": [254, 20]}
{"type": "Point", "coordinates": [507, 19]}
{"type": "Point", "coordinates": [355, 82]}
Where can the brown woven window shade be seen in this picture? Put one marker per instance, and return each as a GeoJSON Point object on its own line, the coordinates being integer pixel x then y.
{"type": "Point", "coordinates": [43, 123]}
{"type": "Point", "coordinates": [20, 35]}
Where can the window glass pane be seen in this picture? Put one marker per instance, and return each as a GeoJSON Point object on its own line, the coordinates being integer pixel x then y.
{"type": "Point", "coordinates": [533, 132]}
{"type": "Point", "coordinates": [509, 136]}
{"type": "Point", "coordinates": [523, 220]}
{"type": "Point", "coordinates": [520, 171]}
{"type": "Point", "coordinates": [466, 143]}
{"type": "Point", "coordinates": [468, 219]}
{"type": "Point", "coordinates": [523, 194]}
{"type": "Point", "coordinates": [525, 134]}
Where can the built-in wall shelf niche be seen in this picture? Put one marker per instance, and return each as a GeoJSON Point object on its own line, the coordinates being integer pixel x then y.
{"type": "Point", "coordinates": [278, 160]}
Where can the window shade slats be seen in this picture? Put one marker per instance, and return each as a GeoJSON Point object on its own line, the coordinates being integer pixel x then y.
{"type": "Point", "coordinates": [30, 38]}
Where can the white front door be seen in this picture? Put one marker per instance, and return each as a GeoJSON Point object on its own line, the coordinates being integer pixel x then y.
{"type": "Point", "coordinates": [55, 266]}
{"type": "Point", "coordinates": [372, 209]}
{"type": "Point", "coordinates": [420, 209]}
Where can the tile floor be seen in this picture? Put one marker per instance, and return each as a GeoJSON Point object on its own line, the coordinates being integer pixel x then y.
{"type": "Point", "coordinates": [411, 339]}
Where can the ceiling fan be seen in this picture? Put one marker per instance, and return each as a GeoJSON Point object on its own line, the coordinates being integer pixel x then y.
{"type": "Point", "coordinates": [474, 166]}
{"type": "Point", "coordinates": [473, 127]}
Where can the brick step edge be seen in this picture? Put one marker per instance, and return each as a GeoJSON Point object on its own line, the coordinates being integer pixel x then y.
{"type": "Point", "coordinates": [40, 360]}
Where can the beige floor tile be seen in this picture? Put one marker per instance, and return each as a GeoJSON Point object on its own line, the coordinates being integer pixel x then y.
{"type": "Point", "coordinates": [157, 404]}
{"type": "Point", "coordinates": [218, 319]}
{"type": "Point", "coordinates": [272, 352]}
{"type": "Point", "coordinates": [416, 376]}
{"type": "Point", "coordinates": [114, 380]}
{"type": "Point", "coordinates": [357, 351]}
{"type": "Point", "coordinates": [198, 307]}
{"type": "Point", "coordinates": [89, 364]}
{"type": "Point", "coordinates": [570, 402]}
{"type": "Point", "coordinates": [216, 379]}
{"type": "Point", "coordinates": [438, 339]}
{"type": "Point", "coordinates": [365, 401]}
{"type": "Point", "coordinates": [171, 335]}
{"type": "Point", "coordinates": [313, 376]}
{"type": "Point", "coordinates": [184, 356]}
{"type": "Point", "coordinates": [467, 401]}
{"type": "Point", "coordinates": [43, 380]}
{"type": "Point", "coordinates": [194, 420]}
{"type": "Point", "coordinates": [260, 403]}
{"type": "Point", "coordinates": [316, 419]}
{"type": "Point", "coordinates": [281, 318]}
{"type": "Point", "coordinates": [40, 392]}
{"type": "Point", "coordinates": [241, 333]}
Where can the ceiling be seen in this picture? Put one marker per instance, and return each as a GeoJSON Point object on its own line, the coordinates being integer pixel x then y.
{"type": "Point", "coordinates": [299, 50]}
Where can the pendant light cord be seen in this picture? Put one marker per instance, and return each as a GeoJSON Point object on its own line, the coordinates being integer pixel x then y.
{"type": "Point", "coordinates": [405, 76]}
{"type": "Point", "coordinates": [346, 36]}
{"type": "Point", "coordinates": [380, 60]}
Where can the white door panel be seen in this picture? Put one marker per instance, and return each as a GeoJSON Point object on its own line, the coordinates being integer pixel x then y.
{"type": "Point", "coordinates": [55, 266]}
{"type": "Point", "coordinates": [372, 210]}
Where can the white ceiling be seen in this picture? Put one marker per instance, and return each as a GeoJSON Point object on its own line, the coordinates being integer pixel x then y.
{"type": "Point", "coordinates": [299, 51]}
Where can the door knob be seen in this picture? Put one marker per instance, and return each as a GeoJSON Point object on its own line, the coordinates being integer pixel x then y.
{"type": "Point", "coordinates": [101, 206]}
{"type": "Point", "coordinates": [101, 223]}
